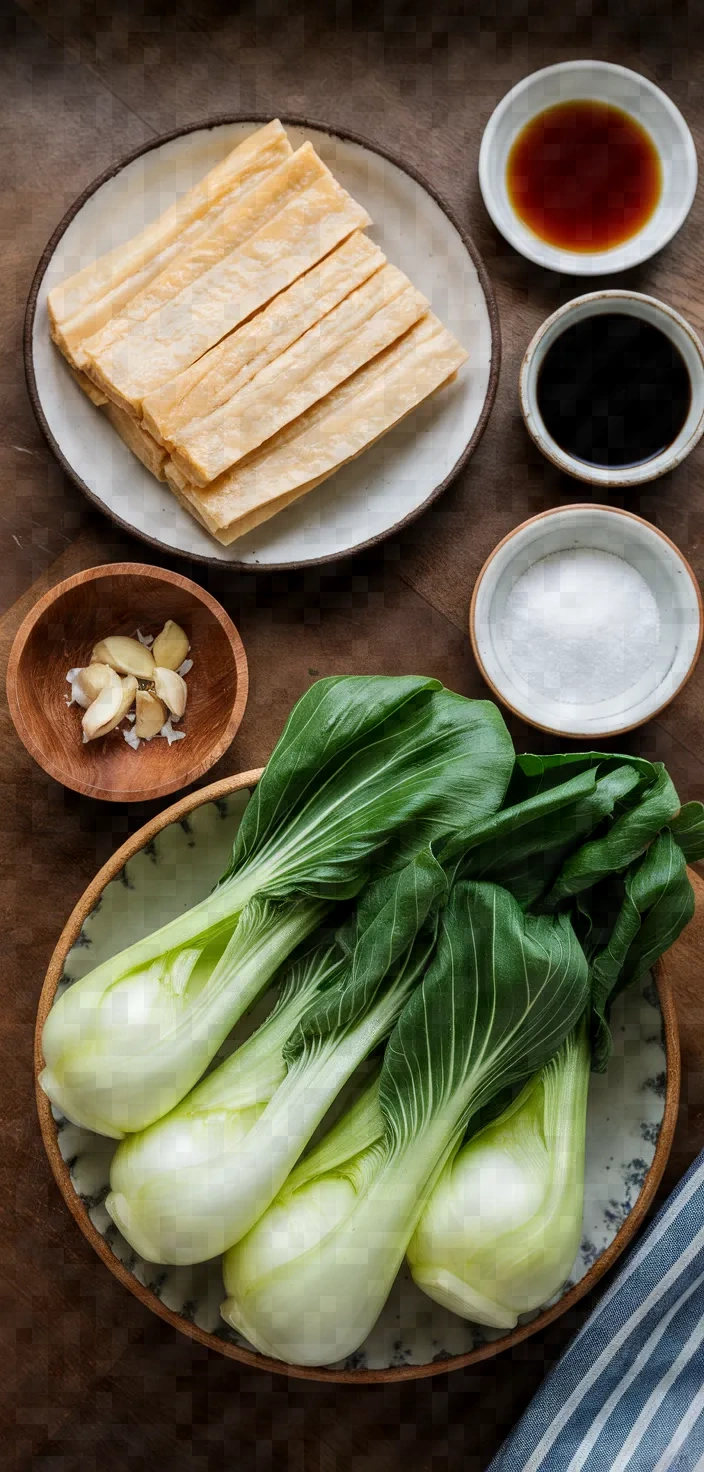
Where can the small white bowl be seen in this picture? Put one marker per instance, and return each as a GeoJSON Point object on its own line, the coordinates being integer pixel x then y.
{"type": "Point", "coordinates": [597, 81]}
{"type": "Point", "coordinates": [630, 304]}
{"type": "Point", "coordinates": [669, 578]}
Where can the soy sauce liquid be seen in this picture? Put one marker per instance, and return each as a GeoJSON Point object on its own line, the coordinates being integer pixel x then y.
{"type": "Point", "coordinates": [584, 176]}
{"type": "Point", "coordinates": [613, 390]}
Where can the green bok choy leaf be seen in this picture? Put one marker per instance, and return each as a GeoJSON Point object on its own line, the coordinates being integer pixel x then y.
{"type": "Point", "coordinates": [627, 924]}
{"type": "Point", "coordinates": [363, 763]}
{"type": "Point", "coordinates": [688, 831]}
{"type": "Point", "coordinates": [501, 994]}
{"type": "Point", "coordinates": [539, 844]}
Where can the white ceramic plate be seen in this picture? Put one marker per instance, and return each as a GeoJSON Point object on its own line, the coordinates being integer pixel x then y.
{"type": "Point", "coordinates": [626, 1108]}
{"type": "Point", "coordinates": [596, 81]}
{"type": "Point", "coordinates": [669, 578]}
{"type": "Point", "coordinates": [374, 495]}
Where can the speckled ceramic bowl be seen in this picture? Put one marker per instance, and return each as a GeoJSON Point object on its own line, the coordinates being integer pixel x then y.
{"type": "Point", "coordinates": [623, 304]}
{"type": "Point", "coordinates": [173, 862]}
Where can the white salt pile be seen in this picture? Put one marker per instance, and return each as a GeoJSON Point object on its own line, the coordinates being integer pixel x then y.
{"type": "Point", "coordinates": [581, 626]}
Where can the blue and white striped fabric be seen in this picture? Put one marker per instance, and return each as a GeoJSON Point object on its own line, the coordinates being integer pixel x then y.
{"type": "Point", "coordinates": [628, 1394]}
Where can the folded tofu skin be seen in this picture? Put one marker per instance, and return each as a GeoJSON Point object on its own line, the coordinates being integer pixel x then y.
{"type": "Point", "coordinates": [332, 432]}
{"type": "Point", "coordinates": [89, 388]}
{"type": "Point", "coordinates": [252, 340]}
{"type": "Point", "coordinates": [130, 431]}
{"type": "Point", "coordinates": [225, 229]}
{"type": "Point", "coordinates": [152, 455]}
{"type": "Point", "coordinates": [216, 377]}
{"type": "Point", "coordinates": [80, 306]}
{"type": "Point", "coordinates": [173, 337]}
{"type": "Point", "coordinates": [361, 326]}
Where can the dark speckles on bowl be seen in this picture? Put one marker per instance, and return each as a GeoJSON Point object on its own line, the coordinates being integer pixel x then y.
{"type": "Point", "coordinates": [173, 864]}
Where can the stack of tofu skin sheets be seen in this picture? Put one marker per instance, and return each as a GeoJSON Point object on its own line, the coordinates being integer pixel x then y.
{"type": "Point", "coordinates": [253, 339]}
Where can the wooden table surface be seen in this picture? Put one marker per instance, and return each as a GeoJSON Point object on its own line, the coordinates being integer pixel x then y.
{"type": "Point", "coordinates": [91, 1379]}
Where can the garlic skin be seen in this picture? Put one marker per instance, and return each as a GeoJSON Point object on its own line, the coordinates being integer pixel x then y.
{"type": "Point", "coordinates": [170, 646]}
{"type": "Point", "coordinates": [172, 689]}
{"type": "Point", "coordinates": [150, 715]}
{"type": "Point", "coordinates": [168, 732]}
{"type": "Point", "coordinates": [127, 656]}
{"type": "Point", "coordinates": [108, 709]}
{"type": "Point", "coordinates": [77, 696]}
{"type": "Point", "coordinates": [89, 682]}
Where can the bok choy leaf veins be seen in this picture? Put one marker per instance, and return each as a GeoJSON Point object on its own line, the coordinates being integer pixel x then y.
{"type": "Point", "coordinates": [363, 763]}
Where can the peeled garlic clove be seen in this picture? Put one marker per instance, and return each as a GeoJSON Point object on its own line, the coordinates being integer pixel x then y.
{"type": "Point", "coordinates": [108, 709]}
{"type": "Point", "coordinates": [170, 646]}
{"type": "Point", "coordinates": [151, 715]}
{"type": "Point", "coordinates": [127, 656]}
{"type": "Point", "coordinates": [90, 681]}
{"type": "Point", "coordinates": [172, 690]}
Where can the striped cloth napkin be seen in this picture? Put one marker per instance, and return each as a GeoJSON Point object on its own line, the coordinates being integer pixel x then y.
{"type": "Point", "coordinates": [628, 1394]}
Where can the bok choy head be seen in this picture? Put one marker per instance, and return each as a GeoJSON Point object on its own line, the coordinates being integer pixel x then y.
{"type": "Point", "coordinates": [501, 1229]}
{"type": "Point", "coordinates": [501, 993]}
{"type": "Point", "coordinates": [363, 764]}
{"type": "Point", "coordinates": [500, 1232]}
{"type": "Point", "coordinates": [314, 1202]}
{"type": "Point", "coordinates": [196, 1181]}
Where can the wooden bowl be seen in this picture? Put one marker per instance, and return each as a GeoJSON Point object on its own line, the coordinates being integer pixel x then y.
{"type": "Point", "coordinates": [59, 634]}
{"type": "Point", "coordinates": [83, 1211]}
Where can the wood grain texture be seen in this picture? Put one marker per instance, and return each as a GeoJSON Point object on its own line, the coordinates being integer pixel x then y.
{"type": "Point", "coordinates": [59, 125]}
{"type": "Point", "coordinates": [60, 632]}
{"type": "Point", "coordinates": [91, 1379]}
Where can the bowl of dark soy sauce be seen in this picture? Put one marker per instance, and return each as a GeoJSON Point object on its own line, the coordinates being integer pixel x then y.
{"type": "Point", "coordinates": [612, 388]}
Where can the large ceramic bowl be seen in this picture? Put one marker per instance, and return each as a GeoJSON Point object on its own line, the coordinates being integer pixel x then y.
{"type": "Point", "coordinates": [174, 861]}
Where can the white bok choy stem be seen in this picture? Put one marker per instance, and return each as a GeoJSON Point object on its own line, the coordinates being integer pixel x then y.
{"type": "Point", "coordinates": [108, 1075]}
{"type": "Point", "coordinates": [501, 1230]}
{"type": "Point", "coordinates": [362, 763]}
{"type": "Point", "coordinates": [499, 997]}
{"type": "Point", "coordinates": [195, 1182]}
{"type": "Point", "coordinates": [317, 1197]}
{"type": "Point", "coordinates": [214, 1119]}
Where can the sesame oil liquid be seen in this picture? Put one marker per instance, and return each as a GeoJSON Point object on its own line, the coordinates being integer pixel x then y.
{"type": "Point", "coordinates": [584, 176]}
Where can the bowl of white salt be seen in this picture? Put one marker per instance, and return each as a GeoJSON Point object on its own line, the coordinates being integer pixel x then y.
{"type": "Point", "coordinates": [586, 621]}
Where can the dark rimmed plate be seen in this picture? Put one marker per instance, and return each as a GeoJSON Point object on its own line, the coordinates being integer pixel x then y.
{"type": "Point", "coordinates": [377, 494]}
